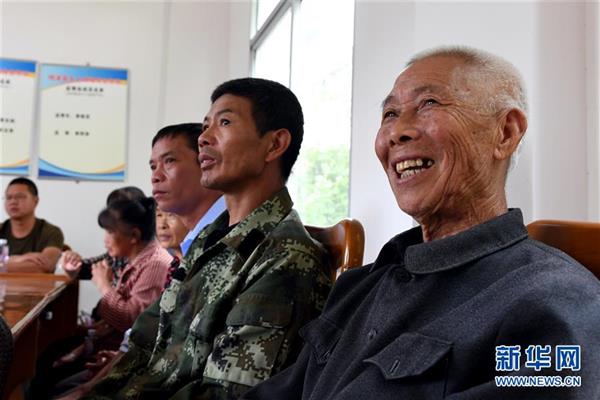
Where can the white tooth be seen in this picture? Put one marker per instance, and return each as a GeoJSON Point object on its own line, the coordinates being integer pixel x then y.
{"type": "Point", "coordinates": [412, 163]}
{"type": "Point", "coordinates": [429, 163]}
{"type": "Point", "coordinates": [411, 172]}
{"type": "Point", "coordinates": [399, 167]}
{"type": "Point", "coordinates": [419, 162]}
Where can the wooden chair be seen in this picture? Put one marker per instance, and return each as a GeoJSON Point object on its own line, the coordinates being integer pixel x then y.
{"type": "Point", "coordinates": [580, 240]}
{"type": "Point", "coordinates": [345, 242]}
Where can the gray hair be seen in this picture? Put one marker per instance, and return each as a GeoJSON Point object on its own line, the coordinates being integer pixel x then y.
{"type": "Point", "coordinates": [501, 82]}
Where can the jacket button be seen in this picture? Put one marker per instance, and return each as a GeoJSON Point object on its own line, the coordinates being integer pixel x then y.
{"type": "Point", "coordinates": [372, 334]}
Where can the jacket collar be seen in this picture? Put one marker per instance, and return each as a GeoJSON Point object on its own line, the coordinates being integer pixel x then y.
{"type": "Point", "coordinates": [259, 223]}
{"type": "Point", "coordinates": [451, 252]}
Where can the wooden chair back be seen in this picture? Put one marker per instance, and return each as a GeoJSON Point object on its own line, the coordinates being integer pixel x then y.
{"type": "Point", "coordinates": [580, 240]}
{"type": "Point", "coordinates": [345, 243]}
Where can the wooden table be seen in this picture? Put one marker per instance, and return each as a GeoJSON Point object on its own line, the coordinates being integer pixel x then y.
{"type": "Point", "coordinates": [39, 308]}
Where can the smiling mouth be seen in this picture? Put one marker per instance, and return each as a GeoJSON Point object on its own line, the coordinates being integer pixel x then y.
{"type": "Point", "coordinates": [408, 168]}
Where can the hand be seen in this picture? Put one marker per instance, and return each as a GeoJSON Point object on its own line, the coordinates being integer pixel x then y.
{"type": "Point", "coordinates": [102, 276]}
{"type": "Point", "coordinates": [71, 261]}
{"type": "Point", "coordinates": [102, 328]}
{"type": "Point", "coordinates": [102, 359]}
{"type": "Point", "coordinates": [69, 357]}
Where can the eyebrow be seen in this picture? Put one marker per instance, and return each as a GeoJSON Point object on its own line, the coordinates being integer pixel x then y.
{"type": "Point", "coordinates": [414, 92]}
{"type": "Point", "coordinates": [220, 112]}
{"type": "Point", "coordinates": [389, 99]}
{"type": "Point", "coordinates": [168, 153]}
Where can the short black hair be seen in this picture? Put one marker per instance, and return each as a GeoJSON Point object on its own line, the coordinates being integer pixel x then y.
{"type": "Point", "coordinates": [190, 131]}
{"type": "Point", "coordinates": [125, 193]}
{"type": "Point", "coordinates": [27, 182]}
{"type": "Point", "coordinates": [274, 106]}
{"type": "Point", "coordinates": [124, 215]}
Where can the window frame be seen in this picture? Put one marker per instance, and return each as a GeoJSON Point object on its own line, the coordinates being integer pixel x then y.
{"type": "Point", "coordinates": [261, 33]}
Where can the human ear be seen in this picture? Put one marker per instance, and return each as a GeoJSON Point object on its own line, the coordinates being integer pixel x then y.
{"type": "Point", "coordinates": [512, 128]}
{"type": "Point", "coordinates": [136, 235]}
{"type": "Point", "coordinates": [279, 141]}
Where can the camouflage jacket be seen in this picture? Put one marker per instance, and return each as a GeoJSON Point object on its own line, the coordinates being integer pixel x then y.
{"type": "Point", "coordinates": [230, 320]}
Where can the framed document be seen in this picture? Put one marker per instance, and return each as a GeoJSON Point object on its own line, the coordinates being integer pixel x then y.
{"type": "Point", "coordinates": [17, 104]}
{"type": "Point", "coordinates": [83, 122]}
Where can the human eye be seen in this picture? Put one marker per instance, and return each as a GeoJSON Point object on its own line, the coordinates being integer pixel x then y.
{"type": "Point", "coordinates": [169, 160]}
{"type": "Point", "coordinates": [389, 114]}
{"type": "Point", "coordinates": [224, 122]}
{"type": "Point", "coordinates": [428, 101]}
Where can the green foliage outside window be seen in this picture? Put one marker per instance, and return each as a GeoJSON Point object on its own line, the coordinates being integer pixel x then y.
{"type": "Point", "coordinates": [319, 185]}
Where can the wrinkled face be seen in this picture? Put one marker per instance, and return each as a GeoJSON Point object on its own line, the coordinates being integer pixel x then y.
{"type": "Point", "coordinates": [176, 176]}
{"type": "Point", "coordinates": [170, 231]}
{"type": "Point", "coordinates": [232, 152]}
{"type": "Point", "coordinates": [434, 144]}
{"type": "Point", "coordinates": [117, 243]}
{"type": "Point", "coordinates": [19, 202]}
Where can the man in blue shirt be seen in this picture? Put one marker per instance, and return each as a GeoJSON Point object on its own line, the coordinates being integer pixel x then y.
{"type": "Point", "coordinates": [176, 175]}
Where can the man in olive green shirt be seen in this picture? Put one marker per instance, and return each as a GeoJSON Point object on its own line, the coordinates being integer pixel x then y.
{"type": "Point", "coordinates": [34, 244]}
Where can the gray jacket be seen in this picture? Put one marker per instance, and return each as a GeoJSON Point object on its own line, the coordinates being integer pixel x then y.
{"type": "Point", "coordinates": [426, 321]}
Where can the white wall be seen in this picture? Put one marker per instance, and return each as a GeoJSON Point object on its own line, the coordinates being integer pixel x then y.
{"type": "Point", "coordinates": [560, 172]}
{"type": "Point", "coordinates": [383, 39]}
{"type": "Point", "coordinates": [592, 36]}
{"type": "Point", "coordinates": [176, 54]}
{"type": "Point", "coordinates": [554, 178]}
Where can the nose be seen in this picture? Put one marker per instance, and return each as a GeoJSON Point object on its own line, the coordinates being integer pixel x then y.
{"type": "Point", "coordinates": [157, 174]}
{"type": "Point", "coordinates": [205, 137]}
{"type": "Point", "coordinates": [403, 131]}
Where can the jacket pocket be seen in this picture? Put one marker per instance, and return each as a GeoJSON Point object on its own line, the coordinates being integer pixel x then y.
{"type": "Point", "coordinates": [260, 310]}
{"type": "Point", "coordinates": [322, 336]}
{"type": "Point", "coordinates": [253, 342]}
{"type": "Point", "coordinates": [410, 355]}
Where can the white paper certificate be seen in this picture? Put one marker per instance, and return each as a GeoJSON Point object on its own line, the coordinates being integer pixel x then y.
{"type": "Point", "coordinates": [17, 103]}
{"type": "Point", "coordinates": [83, 122]}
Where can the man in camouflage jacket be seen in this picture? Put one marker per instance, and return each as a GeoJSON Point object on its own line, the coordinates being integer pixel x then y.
{"type": "Point", "coordinates": [251, 279]}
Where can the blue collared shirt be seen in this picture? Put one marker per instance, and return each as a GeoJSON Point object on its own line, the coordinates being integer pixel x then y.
{"type": "Point", "coordinates": [213, 212]}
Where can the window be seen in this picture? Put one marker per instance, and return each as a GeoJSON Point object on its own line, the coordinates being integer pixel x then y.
{"type": "Point", "coordinates": [307, 46]}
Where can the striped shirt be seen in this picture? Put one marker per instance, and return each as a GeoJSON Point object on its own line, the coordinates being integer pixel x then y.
{"type": "Point", "coordinates": [139, 284]}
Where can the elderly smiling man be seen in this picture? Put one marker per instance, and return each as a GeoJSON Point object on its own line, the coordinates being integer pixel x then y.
{"type": "Point", "coordinates": [452, 308]}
